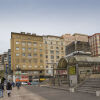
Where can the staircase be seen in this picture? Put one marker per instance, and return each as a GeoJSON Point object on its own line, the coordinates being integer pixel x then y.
{"type": "Point", "coordinates": [91, 85]}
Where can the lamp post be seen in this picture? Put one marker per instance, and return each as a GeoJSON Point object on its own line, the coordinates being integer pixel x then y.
{"type": "Point", "coordinates": [18, 70]}
{"type": "Point", "coordinates": [53, 64]}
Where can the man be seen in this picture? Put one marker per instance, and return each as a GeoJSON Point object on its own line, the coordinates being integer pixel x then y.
{"type": "Point", "coordinates": [1, 90]}
{"type": "Point", "coordinates": [9, 88]}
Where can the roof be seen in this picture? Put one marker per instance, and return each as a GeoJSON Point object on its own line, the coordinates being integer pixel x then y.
{"type": "Point", "coordinates": [80, 60]}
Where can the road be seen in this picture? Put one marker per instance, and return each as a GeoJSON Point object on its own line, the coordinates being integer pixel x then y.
{"type": "Point", "coordinates": [55, 94]}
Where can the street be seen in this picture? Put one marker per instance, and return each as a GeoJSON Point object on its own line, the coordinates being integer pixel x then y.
{"type": "Point", "coordinates": [56, 94]}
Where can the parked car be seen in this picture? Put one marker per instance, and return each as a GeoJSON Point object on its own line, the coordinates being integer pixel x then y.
{"type": "Point", "coordinates": [29, 83]}
{"type": "Point", "coordinates": [35, 83]}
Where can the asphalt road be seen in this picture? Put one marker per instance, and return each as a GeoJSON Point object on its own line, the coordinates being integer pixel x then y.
{"type": "Point", "coordinates": [55, 94]}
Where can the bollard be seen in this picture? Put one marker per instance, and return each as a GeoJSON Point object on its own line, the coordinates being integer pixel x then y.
{"type": "Point", "coordinates": [72, 90]}
{"type": "Point", "coordinates": [97, 93]}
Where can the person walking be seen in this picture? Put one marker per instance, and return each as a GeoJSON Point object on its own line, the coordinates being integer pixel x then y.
{"type": "Point", "coordinates": [18, 84]}
{"type": "Point", "coordinates": [9, 88]}
{"type": "Point", "coordinates": [1, 90]}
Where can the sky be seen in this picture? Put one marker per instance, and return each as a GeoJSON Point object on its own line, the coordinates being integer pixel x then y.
{"type": "Point", "coordinates": [47, 17]}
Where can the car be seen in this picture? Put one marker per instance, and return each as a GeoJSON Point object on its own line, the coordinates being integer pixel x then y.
{"type": "Point", "coordinates": [24, 83]}
{"type": "Point", "coordinates": [29, 83]}
{"type": "Point", "coordinates": [34, 83]}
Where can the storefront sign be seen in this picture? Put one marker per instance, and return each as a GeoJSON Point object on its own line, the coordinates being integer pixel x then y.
{"type": "Point", "coordinates": [72, 70]}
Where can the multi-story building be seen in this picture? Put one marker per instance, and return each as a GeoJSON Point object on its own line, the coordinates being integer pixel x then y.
{"type": "Point", "coordinates": [1, 66]}
{"type": "Point", "coordinates": [27, 54]}
{"type": "Point", "coordinates": [94, 41]}
{"type": "Point", "coordinates": [54, 48]}
{"type": "Point", "coordinates": [9, 61]}
{"type": "Point", "coordinates": [75, 37]}
{"type": "Point", "coordinates": [77, 46]}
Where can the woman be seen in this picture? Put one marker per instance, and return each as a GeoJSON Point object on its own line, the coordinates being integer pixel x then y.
{"type": "Point", "coordinates": [9, 88]}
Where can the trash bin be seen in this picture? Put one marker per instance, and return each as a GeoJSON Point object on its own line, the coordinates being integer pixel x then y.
{"type": "Point", "coordinates": [72, 90]}
{"type": "Point", "coordinates": [1, 93]}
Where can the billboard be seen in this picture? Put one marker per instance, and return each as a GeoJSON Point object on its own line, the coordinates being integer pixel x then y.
{"type": "Point", "coordinates": [72, 70]}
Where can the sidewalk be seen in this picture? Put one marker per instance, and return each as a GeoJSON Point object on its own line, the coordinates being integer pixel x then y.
{"type": "Point", "coordinates": [62, 87]}
{"type": "Point", "coordinates": [21, 94]}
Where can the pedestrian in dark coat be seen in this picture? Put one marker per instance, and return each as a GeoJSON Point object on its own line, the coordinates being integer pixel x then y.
{"type": "Point", "coordinates": [9, 88]}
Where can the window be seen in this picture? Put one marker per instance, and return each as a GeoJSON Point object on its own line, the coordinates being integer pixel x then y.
{"type": "Point", "coordinates": [40, 45]}
{"type": "Point", "coordinates": [17, 42]}
{"type": "Point", "coordinates": [34, 43]}
{"type": "Point", "coordinates": [45, 42]}
{"type": "Point", "coordinates": [57, 52]}
{"type": "Point", "coordinates": [46, 56]}
{"type": "Point", "coordinates": [29, 49]}
{"type": "Point", "coordinates": [57, 57]}
{"type": "Point", "coordinates": [35, 49]}
{"type": "Point", "coordinates": [23, 49]}
{"type": "Point", "coordinates": [24, 66]}
{"type": "Point", "coordinates": [35, 66]}
{"type": "Point", "coordinates": [61, 43]}
{"type": "Point", "coordinates": [41, 66]}
{"type": "Point", "coordinates": [30, 66]}
{"type": "Point", "coordinates": [23, 43]}
{"type": "Point", "coordinates": [17, 54]}
{"type": "Point", "coordinates": [41, 55]}
{"type": "Point", "coordinates": [61, 48]}
{"type": "Point", "coordinates": [29, 55]}
{"type": "Point", "coordinates": [51, 51]}
{"type": "Point", "coordinates": [23, 54]}
{"type": "Point", "coordinates": [40, 50]}
{"type": "Point", "coordinates": [52, 57]}
{"type": "Point", "coordinates": [17, 48]}
{"type": "Point", "coordinates": [57, 48]}
{"type": "Point", "coordinates": [29, 43]}
{"type": "Point", "coordinates": [46, 66]}
{"type": "Point", "coordinates": [46, 71]}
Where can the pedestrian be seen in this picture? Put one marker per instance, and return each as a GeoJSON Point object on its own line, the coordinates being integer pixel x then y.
{"type": "Point", "coordinates": [9, 88]}
{"type": "Point", "coordinates": [1, 90]}
{"type": "Point", "coordinates": [18, 84]}
{"type": "Point", "coordinates": [13, 84]}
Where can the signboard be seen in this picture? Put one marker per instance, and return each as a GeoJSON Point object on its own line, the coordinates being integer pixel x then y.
{"type": "Point", "coordinates": [22, 78]}
{"type": "Point", "coordinates": [61, 72]}
{"type": "Point", "coordinates": [72, 70]}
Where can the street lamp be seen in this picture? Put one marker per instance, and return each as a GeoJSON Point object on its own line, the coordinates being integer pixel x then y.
{"type": "Point", "coordinates": [18, 72]}
{"type": "Point", "coordinates": [53, 64]}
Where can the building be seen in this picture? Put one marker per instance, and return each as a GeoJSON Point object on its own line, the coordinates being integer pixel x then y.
{"type": "Point", "coordinates": [27, 55]}
{"type": "Point", "coordinates": [77, 46]}
{"type": "Point", "coordinates": [94, 41]}
{"type": "Point", "coordinates": [54, 48]}
{"type": "Point", "coordinates": [75, 37]}
{"type": "Point", "coordinates": [1, 66]}
{"type": "Point", "coordinates": [9, 61]}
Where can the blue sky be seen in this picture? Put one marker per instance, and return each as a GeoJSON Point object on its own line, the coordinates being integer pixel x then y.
{"type": "Point", "coordinates": [48, 17]}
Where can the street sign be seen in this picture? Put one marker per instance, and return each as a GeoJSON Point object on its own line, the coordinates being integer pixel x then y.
{"type": "Point", "coordinates": [72, 70]}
